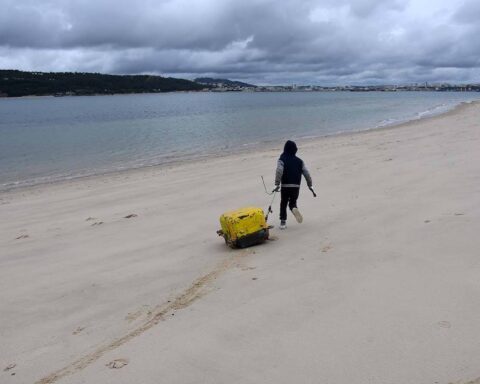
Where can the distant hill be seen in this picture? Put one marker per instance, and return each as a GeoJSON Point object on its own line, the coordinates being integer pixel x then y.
{"type": "Point", "coordinates": [17, 83]}
{"type": "Point", "coordinates": [222, 82]}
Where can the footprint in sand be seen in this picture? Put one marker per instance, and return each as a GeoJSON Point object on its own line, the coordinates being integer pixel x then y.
{"type": "Point", "coordinates": [130, 216]}
{"type": "Point", "coordinates": [117, 363]}
{"type": "Point", "coordinates": [444, 324]}
{"type": "Point", "coordinates": [9, 367]}
{"type": "Point", "coordinates": [78, 330]}
{"type": "Point", "coordinates": [96, 222]}
{"type": "Point", "coordinates": [326, 248]}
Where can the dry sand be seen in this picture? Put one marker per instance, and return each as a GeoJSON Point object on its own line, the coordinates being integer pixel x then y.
{"type": "Point", "coordinates": [380, 284]}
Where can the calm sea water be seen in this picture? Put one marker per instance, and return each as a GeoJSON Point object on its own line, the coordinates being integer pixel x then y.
{"type": "Point", "coordinates": [48, 139]}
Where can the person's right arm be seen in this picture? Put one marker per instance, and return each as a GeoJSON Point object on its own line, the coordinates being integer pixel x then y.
{"type": "Point", "coordinates": [279, 173]}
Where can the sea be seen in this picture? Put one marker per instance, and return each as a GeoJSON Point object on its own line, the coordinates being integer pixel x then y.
{"type": "Point", "coordinates": [48, 139]}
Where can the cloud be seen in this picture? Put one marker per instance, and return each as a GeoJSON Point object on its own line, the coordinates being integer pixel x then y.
{"type": "Point", "coordinates": [264, 41]}
{"type": "Point", "coordinates": [468, 12]}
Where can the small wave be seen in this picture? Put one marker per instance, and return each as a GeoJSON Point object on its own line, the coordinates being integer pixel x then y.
{"type": "Point", "coordinates": [387, 122]}
{"type": "Point", "coordinates": [45, 180]}
{"type": "Point", "coordinates": [436, 110]}
{"type": "Point", "coordinates": [251, 144]}
{"type": "Point", "coordinates": [167, 159]}
{"type": "Point", "coordinates": [430, 112]}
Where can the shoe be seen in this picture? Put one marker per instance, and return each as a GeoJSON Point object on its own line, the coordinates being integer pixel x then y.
{"type": "Point", "coordinates": [297, 214]}
{"type": "Point", "coordinates": [283, 224]}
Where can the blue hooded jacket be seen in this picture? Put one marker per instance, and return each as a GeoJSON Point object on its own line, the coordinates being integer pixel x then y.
{"type": "Point", "coordinates": [290, 168]}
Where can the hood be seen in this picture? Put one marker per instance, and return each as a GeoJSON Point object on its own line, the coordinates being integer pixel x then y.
{"type": "Point", "coordinates": [290, 148]}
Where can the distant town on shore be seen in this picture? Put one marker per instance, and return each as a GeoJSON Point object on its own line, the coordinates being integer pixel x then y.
{"type": "Point", "coordinates": [14, 83]}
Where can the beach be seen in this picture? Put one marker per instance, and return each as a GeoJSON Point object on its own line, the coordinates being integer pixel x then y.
{"type": "Point", "coordinates": [121, 278]}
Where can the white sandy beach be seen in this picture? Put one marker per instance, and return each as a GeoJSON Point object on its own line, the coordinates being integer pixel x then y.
{"type": "Point", "coordinates": [380, 284]}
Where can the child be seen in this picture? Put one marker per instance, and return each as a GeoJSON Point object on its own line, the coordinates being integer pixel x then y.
{"type": "Point", "coordinates": [289, 173]}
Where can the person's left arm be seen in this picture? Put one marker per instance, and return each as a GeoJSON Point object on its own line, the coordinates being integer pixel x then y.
{"type": "Point", "coordinates": [306, 174]}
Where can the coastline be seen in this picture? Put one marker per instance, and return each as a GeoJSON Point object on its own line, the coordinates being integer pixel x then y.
{"type": "Point", "coordinates": [380, 280]}
{"type": "Point", "coordinates": [240, 151]}
{"type": "Point", "coordinates": [95, 94]}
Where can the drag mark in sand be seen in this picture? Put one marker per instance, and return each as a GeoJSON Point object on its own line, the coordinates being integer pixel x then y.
{"type": "Point", "coordinates": [476, 381]}
{"type": "Point", "coordinates": [191, 294]}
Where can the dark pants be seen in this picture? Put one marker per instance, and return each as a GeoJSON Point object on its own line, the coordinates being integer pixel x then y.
{"type": "Point", "coordinates": [289, 196]}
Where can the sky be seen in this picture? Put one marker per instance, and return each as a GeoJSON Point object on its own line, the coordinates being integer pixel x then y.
{"type": "Point", "coordinates": [319, 42]}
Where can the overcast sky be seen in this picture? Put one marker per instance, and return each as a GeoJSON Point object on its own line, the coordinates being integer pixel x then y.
{"type": "Point", "coordinates": [260, 41]}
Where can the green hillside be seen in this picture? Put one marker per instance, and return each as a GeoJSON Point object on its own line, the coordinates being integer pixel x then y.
{"type": "Point", "coordinates": [15, 83]}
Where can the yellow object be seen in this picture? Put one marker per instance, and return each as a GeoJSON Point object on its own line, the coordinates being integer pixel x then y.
{"type": "Point", "coordinates": [244, 227]}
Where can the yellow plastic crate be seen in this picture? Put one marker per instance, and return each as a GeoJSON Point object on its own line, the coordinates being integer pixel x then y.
{"type": "Point", "coordinates": [244, 227]}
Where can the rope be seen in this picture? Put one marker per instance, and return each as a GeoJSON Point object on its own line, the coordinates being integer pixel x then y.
{"type": "Point", "coordinates": [264, 186]}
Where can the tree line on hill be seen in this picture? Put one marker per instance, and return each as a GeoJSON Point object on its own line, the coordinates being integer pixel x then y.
{"type": "Point", "coordinates": [15, 83]}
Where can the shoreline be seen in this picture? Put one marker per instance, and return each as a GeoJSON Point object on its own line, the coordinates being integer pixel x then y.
{"type": "Point", "coordinates": [247, 150]}
{"type": "Point", "coordinates": [96, 94]}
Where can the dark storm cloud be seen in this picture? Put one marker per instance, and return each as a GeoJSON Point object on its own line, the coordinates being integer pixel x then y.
{"type": "Point", "coordinates": [264, 41]}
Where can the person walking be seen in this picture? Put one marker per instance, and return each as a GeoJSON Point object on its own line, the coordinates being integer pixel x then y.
{"type": "Point", "coordinates": [288, 177]}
